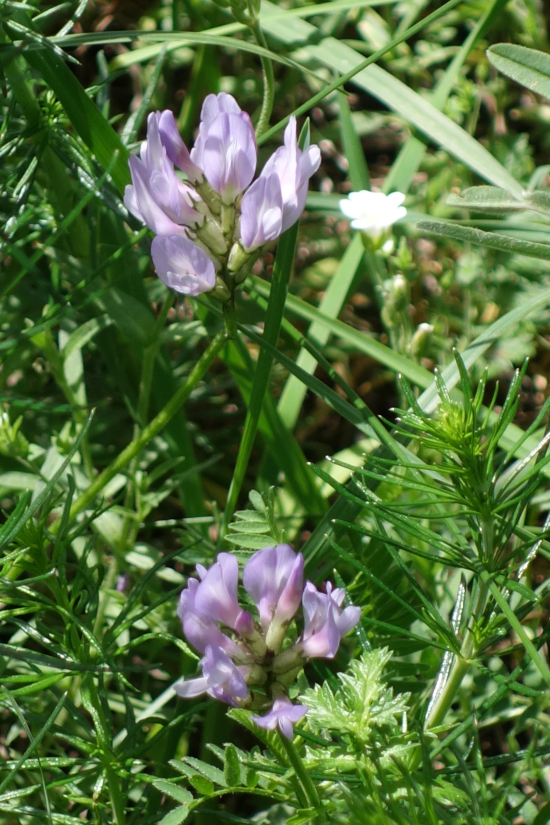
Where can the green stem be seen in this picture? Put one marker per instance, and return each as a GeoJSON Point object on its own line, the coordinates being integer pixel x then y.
{"type": "Point", "coordinates": [152, 429]}
{"type": "Point", "coordinates": [304, 778]}
{"type": "Point", "coordinates": [269, 84]}
{"type": "Point", "coordinates": [230, 320]}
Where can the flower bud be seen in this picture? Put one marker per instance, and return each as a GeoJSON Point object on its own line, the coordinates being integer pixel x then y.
{"type": "Point", "coordinates": [421, 340]}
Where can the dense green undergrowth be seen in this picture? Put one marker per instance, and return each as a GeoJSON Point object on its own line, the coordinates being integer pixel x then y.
{"type": "Point", "coordinates": [382, 411]}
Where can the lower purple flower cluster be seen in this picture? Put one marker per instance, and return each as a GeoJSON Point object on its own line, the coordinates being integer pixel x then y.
{"type": "Point", "coordinates": [241, 652]}
{"type": "Point", "coordinates": [211, 220]}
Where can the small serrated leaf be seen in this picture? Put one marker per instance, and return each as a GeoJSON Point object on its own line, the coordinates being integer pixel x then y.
{"type": "Point", "coordinates": [257, 501]}
{"type": "Point", "coordinates": [232, 767]}
{"type": "Point", "coordinates": [173, 791]}
{"type": "Point", "coordinates": [209, 771]}
{"type": "Point", "coordinates": [175, 817]}
{"type": "Point", "coordinates": [201, 784]}
{"type": "Point", "coordinates": [253, 542]}
{"type": "Point", "coordinates": [250, 527]}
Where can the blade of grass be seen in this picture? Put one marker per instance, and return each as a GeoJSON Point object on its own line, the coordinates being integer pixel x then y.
{"type": "Point", "coordinates": [281, 275]}
{"type": "Point", "coordinates": [294, 391]}
{"type": "Point", "coordinates": [281, 443]}
{"type": "Point", "coordinates": [415, 109]}
{"type": "Point", "coordinates": [492, 240]}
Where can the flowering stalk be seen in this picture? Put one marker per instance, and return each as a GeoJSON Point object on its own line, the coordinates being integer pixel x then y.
{"type": "Point", "coordinates": [210, 218]}
{"type": "Point", "coordinates": [250, 662]}
{"type": "Point", "coordinates": [304, 778]}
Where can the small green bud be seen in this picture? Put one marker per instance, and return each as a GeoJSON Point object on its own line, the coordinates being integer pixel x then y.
{"type": "Point", "coordinates": [399, 293]}
{"type": "Point", "coordinates": [421, 340]}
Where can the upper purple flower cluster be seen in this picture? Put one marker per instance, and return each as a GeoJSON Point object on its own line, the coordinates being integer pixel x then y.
{"type": "Point", "coordinates": [249, 653]}
{"type": "Point", "coordinates": [206, 229]}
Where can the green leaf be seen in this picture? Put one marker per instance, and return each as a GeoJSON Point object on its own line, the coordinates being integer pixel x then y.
{"type": "Point", "coordinates": [201, 784]}
{"type": "Point", "coordinates": [529, 67]}
{"type": "Point", "coordinates": [486, 199]}
{"type": "Point", "coordinates": [175, 817]}
{"type": "Point", "coordinates": [210, 772]}
{"type": "Point", "coordinates": [492, 240]}
{"type": "Point", "coordinates": [250, 527]}
{"type": "Point", "coordinates": [85, 333]}
{"type": "Point", "coordinates": [173, 791]}
{"type": "Point", "coordinates": [134, 320]}
{"type": "Point", "coordinates": [232, 767]}
{"type": "Point", "coordinates": [294, 391]}
{"type": "Point", "coordinates": [358, 171]}
{"type": "Point", "coordinates": [25, 514]}
{"type": "Point", "coordinates": [254, 541]}
{"type": "Point", "coordinates": [260, 388]}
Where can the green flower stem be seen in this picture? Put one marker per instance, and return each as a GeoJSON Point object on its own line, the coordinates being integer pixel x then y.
{"type": "Point", "coordinates": [151, 430]}
{"type": "Point", "coordinates": [304, 778]}
{"type": "Point", "coordinates": [269, 85]}
{"type": "Point", "coordinates": [230, 320]}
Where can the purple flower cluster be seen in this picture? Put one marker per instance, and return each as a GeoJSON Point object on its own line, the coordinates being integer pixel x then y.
{"type": "Point", "coordinates": [211, 226]}
{"type": "Point", "coordinates": [240, 652]}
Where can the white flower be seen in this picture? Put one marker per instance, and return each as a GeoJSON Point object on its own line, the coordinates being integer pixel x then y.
{"type": "Point", "coordinates": [373, 212]}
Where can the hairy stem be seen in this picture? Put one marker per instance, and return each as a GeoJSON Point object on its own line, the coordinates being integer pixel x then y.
{"type": "Point", "coordinates": [269, 85]}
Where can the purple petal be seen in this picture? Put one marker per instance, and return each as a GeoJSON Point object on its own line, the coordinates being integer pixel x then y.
{"type": "Point", "coordinates": [216, 595]}
{"type": "Point", "coordinates": [190, 688]}
{"type": "Point", "coordinates": [294, 169]}
{"type": "Point", "coordinates": [140, 201]}
{"type": "Point", "coordinates": [182, 265]}
{"type": "Point", "coordinates": [282, 715]}
{"type": "Point", "coordinates": [273, 577]}
{"type": "Point", "coordinates": [229, 155]}
{"type": "Point", "coordinates": [214, 105]}
{"type": "Point", "coordinates": [325, 622]}
{"type": "Point", "coordinates": [201, 630]}
{"type": "Point", "coordinates": [349, 618]}
{"type": "Point", "coordinates": [225, 680]}
{"type": "Point", "coordinates": [175, 147]}
{"type": "Point", "coordinates": [261, 212]}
